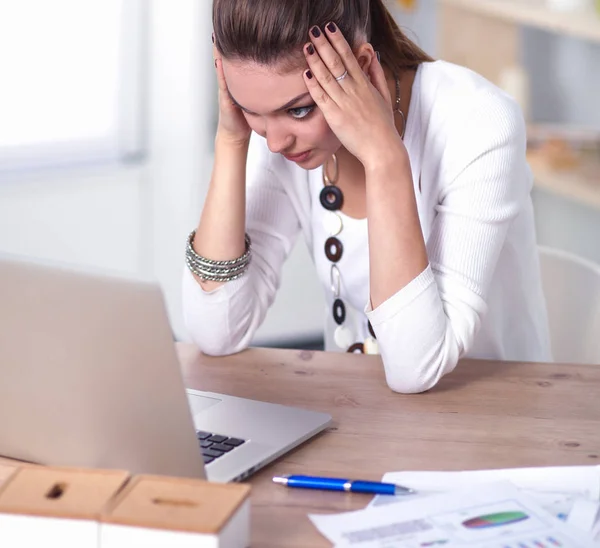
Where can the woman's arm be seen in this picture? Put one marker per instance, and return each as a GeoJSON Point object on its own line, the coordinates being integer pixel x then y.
{"type": "Point", "coordinates": [431, 319]}
{"type": "Point", "coordinates": [220, 233]}
{"type": "Point", "coordinates": [429, 300]}
{"type": "Point", "coordinates": [223, 320]}
{"type": "Point", "coordinates": [244, 195]}
{"type": "Point", "coordinates": [397, 253]}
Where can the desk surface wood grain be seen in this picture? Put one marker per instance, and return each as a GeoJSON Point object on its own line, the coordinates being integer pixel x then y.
{"type": "Point", "coordinates": [483, 415]}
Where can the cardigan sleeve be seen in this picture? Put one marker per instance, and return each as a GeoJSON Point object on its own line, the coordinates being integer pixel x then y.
{"type": "Point", "coordinates": [483, 183]}
{"type": "Point", "coordinates": [224, 321]}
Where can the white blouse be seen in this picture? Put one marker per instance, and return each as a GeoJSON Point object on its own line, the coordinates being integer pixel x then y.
{"type": "Point", "coordinates": [354, 264]}
{"type": "Point", "coordinates": [481, 294]}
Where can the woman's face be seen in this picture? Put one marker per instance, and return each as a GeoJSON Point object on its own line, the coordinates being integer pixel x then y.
{"type": "Point", "coordinates": [277, 106]}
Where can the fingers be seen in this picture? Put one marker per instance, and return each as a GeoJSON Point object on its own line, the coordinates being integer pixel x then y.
{"type": "Point", "coordinates": [377, 77]}
{"type": "Point", "coordinates": [222, 83]}
{"type": "Point", "coordinates": [335, 51]}
{"type": "Point", "coordinates": [321, 97]}
{"type": "Point", "coordinates": [332, 61]}
{"type": "Point", "coordinates": [325, 76]}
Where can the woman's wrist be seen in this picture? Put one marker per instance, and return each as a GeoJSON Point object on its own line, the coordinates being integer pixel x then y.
{"type": "Point", "coordinates": [230, 161]}
{"type": "Point", "coordinates": [388, 160]}
{"type": "Point", "coordinates": [234, 144]}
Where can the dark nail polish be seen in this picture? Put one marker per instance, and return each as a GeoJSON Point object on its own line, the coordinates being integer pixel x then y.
{"type": "Point", "coordinates": [213, 37]}
{"type": "Point", "coordinates": [309, 74]}
{"type": "Point", "coordinates": [378, 57]}
{"type": "Point", "coordinates": [215, 63]}
{"type": "Point", "coordinates": [331, 27]}
{"type": "Point", "coordinates": [316, 32]}
{"type": "Point", "coordinates": [310, 49]}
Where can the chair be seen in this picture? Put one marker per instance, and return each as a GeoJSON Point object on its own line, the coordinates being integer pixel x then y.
{"type": "Point", "coordinates": [572, 290]}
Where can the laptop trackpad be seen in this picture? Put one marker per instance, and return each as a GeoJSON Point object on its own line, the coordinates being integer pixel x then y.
{"type": "Point", "coordinates": [201, 403]}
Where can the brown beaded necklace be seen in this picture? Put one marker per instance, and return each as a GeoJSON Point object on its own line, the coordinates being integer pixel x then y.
{"type": "Point", "coordinates": [332, 199]}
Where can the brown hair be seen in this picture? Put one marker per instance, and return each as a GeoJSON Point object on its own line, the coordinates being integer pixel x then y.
{"type": "Point", "coordinates": [274, 31]}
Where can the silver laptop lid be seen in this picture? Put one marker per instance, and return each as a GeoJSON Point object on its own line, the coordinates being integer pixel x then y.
{"type": "Point", "coordinates": [88, 373]}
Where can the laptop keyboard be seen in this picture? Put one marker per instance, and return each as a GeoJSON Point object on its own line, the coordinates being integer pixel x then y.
{"type": "Point", "coordinates": [215, 445]}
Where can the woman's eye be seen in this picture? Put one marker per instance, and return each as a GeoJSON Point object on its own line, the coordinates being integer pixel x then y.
{"type": "Point", "coordinates": [301, 112]}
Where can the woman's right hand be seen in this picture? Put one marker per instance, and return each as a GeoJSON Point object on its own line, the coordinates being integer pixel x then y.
{"type": "Point", "coordinates": [233, 127]}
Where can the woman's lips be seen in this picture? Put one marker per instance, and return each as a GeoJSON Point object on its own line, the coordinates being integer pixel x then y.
{"type": "Point", "coordinates": [298, 157]}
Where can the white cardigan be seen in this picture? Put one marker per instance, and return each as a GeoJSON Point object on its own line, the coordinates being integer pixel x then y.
{"type": "Point", "coordinates": [481, 294]}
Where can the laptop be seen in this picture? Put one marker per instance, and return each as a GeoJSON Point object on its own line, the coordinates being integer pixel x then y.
{"type": "Point", "coordinates": [89, 377]}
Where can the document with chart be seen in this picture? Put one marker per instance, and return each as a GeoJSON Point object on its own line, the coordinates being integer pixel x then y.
{"type": "Point", "coordinates": [494, 515]}
{"type": "Point", "coordinates": [571, 493]}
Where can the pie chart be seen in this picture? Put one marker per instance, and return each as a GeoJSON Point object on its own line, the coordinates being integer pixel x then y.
{"type": "Point", "coordinates": [498, 519]}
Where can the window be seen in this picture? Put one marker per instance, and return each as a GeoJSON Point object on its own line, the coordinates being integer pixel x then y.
{"type": "Point", "coordinates": [72, 81]}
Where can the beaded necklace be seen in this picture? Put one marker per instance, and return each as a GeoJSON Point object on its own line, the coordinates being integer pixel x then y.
{"type": "Point", "coordinates": [332, 199]}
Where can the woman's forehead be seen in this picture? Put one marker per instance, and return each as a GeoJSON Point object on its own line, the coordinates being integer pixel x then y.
{"type": "Point", "coordinates": [249, 68]}
{"type": "Point", "coordinates": [262, 88]}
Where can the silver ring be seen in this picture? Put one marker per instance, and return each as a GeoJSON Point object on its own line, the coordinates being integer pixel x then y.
{"type": "Point", "coordinates": [342, 76]}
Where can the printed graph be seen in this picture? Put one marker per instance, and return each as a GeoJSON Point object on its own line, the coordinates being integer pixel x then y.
{"type": "Point", "coordinates": [491, 523]}
{"type": "Point", "coordinates": [498, 519]}
{"type": "Point", "coordinates": [547, 542]}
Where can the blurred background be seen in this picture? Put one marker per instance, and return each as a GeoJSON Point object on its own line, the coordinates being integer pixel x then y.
{"type": "Point", "coordinates": [108, 112]}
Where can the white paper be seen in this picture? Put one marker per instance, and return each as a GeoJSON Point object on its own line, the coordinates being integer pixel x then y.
{"type": "Point", "coordinates": [584, 514]}
{"type": "Point", "coordinates": [596, 532]}
{"type": "Point", "coordinates": [493, 515]}
{"type": "Point", "coordinates": [569, 492]}
{"type": "Point", "coordinates": [596, 527]}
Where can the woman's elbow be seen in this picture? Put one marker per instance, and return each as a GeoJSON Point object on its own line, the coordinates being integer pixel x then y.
{"type": "Point", "coordinates": [414, 377]}
{"type": "Point", "coordinates": [218, 350]}
{"type": "Point", "coordinates": [213, 340]}
{"type": "Point", "coordinates": [408, 383]}
{"type": "Point", "coordinates": [212, 346]}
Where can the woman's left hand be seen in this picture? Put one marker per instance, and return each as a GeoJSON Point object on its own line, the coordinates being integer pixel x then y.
{"type": "Point", "coordinates": [357, 106]}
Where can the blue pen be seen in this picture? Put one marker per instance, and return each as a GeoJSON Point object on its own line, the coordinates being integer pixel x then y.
{"type": "Point", "coordinates": [338, 484]}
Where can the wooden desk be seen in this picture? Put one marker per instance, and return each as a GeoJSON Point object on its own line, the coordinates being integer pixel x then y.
{"type": "Point", "coordinates": [484, 415]}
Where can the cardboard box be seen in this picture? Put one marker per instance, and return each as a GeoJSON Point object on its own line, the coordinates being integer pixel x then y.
{"type": "Point", "coordinates": [6, 472]}
{"type": "Point", "coordinates": [156, 511]}
{"type": "Point", "coordinates": [60, 507]}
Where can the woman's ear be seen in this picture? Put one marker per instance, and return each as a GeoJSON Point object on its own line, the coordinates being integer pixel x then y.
{"type": "Point", "coordinates": [365, 55]}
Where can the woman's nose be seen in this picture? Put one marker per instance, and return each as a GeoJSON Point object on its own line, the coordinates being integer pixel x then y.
{"type": "Point", "coordinates": [278, 139]}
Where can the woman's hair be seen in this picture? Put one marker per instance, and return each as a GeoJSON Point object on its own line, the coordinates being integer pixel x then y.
{"type": "Point", "coordinates": [274, 31]}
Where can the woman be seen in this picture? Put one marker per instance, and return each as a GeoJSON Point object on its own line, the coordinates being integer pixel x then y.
{"type": "Point", "coordinates": [407, 177]}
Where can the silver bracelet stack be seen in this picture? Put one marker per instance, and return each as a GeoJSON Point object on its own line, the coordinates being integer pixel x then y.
{"type": "Point", "coordinates": [217, 271]}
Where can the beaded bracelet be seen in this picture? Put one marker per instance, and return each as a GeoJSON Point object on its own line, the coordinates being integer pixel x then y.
{"type": "Point", "coordinates": [217, 271]}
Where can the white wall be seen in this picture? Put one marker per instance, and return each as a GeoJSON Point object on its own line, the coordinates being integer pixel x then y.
{"type": "Point", "coordinates": [132, 219]}
{"type": "Point", "coordinates": [181, 107]}
{"type": "Point", "coordinates": [418, 24]}
{"type": "Point", "coordinates": [77, 217]}
{"type": "Point", "coordinates": [135, 219]}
